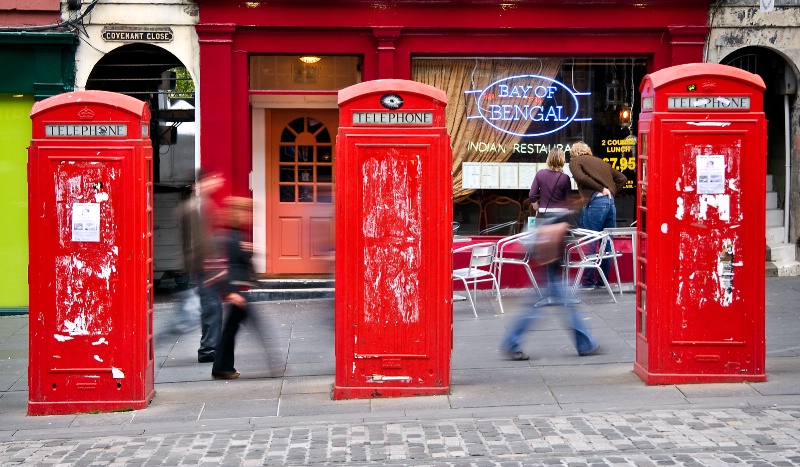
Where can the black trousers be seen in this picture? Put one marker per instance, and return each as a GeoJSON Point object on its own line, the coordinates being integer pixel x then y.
{"type": "Point", "coordinates": [224, 357]}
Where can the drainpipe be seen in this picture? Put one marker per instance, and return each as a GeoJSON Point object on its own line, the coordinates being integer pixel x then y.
{"type": "Point", "coordinates": [788, 175]}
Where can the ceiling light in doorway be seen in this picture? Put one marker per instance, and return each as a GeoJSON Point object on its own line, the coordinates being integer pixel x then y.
{"type": "Point", "coordinates": [310, 59]}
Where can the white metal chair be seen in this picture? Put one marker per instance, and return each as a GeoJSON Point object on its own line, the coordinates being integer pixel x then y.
{"type": "Point", "coordinates": [513, 250]}
{"type": "Point", "coordinates": [588, 251]}
{"type": "Point", "coordinates": [506, 228]}
{"type": "Point", "coordinates": [481, 256]}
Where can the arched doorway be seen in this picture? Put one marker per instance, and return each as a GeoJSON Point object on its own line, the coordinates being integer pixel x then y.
{"type": "Point", "coordinates": [300, 204]}
{"type": "Point", "coordinates": [154, 75]}
{"type": "Point", "coordinates": [779, 100]}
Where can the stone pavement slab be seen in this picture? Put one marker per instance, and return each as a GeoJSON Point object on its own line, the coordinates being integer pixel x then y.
{"type": "Point", "coordinates": [556, 408]}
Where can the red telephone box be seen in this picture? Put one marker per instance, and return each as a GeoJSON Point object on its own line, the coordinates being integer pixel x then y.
{"type": "Point", "coordinates": [90, 223]}
{"type": "Point", "coordinates": [394, 240]}
{"type": "Point", "coordinates": [700, 213]}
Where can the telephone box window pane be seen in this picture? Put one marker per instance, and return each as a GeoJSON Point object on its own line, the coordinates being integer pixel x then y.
{"type": "Point", "coordinates": [324, 194]}
{"type": "Point", "coordinates": [306, 194]}
{"type": "Point", "coordinates": [324, 154]}
{"type": "Point", "coordinates": [643, 299]}
{"type": "Point", "coordinates": [287, 174]}
{"type": "Point", "coordinates": [287, 194]}
{"type": "Point", "coordinates": [643, 144]}
{"type": "Point", "coordinates": [642, 322]}
{"type": "Point", "coordinates": [305, 174]}
{"type": "Point", "coordinates": [642, 272]}
{"type": "Point", "coordinates": [288, 154]}
{"type": "Point", "coordinates": [325, 174]}
{"type": "Point", "coordinates": [643, 170]}
{"type": "Point", "coordinates": [643, 196]}
{"type": "Point", "coordinates": [643, 220]}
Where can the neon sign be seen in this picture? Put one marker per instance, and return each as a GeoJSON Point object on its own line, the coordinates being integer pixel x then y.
{"type": "Point", "coordinates": [546, 104]}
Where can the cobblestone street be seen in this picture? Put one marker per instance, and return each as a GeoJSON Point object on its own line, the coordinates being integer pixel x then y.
{"type": "Point", "coordinates": [768, 437]}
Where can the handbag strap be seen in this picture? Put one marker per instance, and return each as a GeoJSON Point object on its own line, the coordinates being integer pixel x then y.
{"type": "Point", "coordinates": [551, 199]}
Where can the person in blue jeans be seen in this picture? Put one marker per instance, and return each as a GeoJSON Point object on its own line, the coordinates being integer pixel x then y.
{"type": "Point", "coordinates": [598, 184]}
{"type": "Point", "coordinates": [551, 189]}
{"type": "Point", "coordinates": [557, 294]}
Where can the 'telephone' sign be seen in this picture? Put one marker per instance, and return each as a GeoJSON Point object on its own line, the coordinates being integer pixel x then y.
{"type": "Point", "coordinates": [86, 130]}
{"type": "Point", "coordinates": [709, 102]}
{"type": "Point", "coordinates": [392, 118]}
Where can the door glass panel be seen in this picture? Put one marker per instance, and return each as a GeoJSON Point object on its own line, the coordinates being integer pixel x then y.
{"type": "Point", "coordinates": [305, 153]}
{"type": "Point", "coordinates": [324, 194]}
{"type": "Point", "coordinates": [324, 153]}
{"type": "Point", "coordinates": [324, 136]}
{"type": "Point", "coordinates": [305, 173]}
{"type": "Point", "coordinates": [287, 174]}
{"type": "Point", "coordinates": [297, 126]}
{"type": "Point", "coordinates": [304, 162]}
{"type": "Point", "coordinates": [314, 126]}
{"type": "Point", "coordinates": [324, 174]}
{"type": "Point", "coordinates": [288, 136]}
{"type": "Point", "coordinates": [287, 154]}
{"type": "Point", "coordinates": [306, 194]}
{"type": "Point", "coordinates": [287, 194]}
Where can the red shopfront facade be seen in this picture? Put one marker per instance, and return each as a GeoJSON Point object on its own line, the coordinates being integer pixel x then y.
{"type": "Point", "coordinates": [270, 72]}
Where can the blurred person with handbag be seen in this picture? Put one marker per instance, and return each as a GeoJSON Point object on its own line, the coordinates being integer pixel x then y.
{"type": "Point", "coordinates": [201, 258]}
{"type": "Point", "coordinates": [551, 189]}
{"type": "Point", "coordinates": [239, 277]}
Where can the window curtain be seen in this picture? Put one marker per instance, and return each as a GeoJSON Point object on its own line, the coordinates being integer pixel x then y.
{"type": "Point", "coordinates": [456, 77]}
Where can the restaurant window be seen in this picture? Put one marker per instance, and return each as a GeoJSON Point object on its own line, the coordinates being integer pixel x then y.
{"type": "Point", "coordinates": [303, 72]}
{"type": "Point", "coordinates": [505, 114]}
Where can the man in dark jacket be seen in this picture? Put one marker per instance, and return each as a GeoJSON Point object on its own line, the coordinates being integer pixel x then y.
{"type": "Point", "coordinates": [198, 217]}
{"type": "Point", "coordinates": [598, 184]}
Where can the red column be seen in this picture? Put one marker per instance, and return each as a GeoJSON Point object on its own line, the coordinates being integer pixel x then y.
{"type": "Point", "coordinates": [242, 162]}
{"type": "Point", "coordinates": [386, 38]}
{"type": "Point", "coordinates": [216, 92]}
{"type": "Point", "coordinates": [687, 43]}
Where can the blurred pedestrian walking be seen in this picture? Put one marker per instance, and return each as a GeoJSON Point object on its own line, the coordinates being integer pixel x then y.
{"type": "Point", "coordinates": [240, 277]}
{"type": "Point", "coordinates": [551, 189]}
{"type": "Point", "coordinates": [202, 259]}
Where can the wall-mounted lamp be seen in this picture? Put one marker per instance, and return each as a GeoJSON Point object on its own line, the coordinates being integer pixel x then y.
{"type": "Point", "coordinates": [310, 59]}
{"type": "Point", "coordinates": [625, 116]}
{"type": "Point", "coordinates": [614, 93]}
{"type": "Point", "coordinates": [73, 5]}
